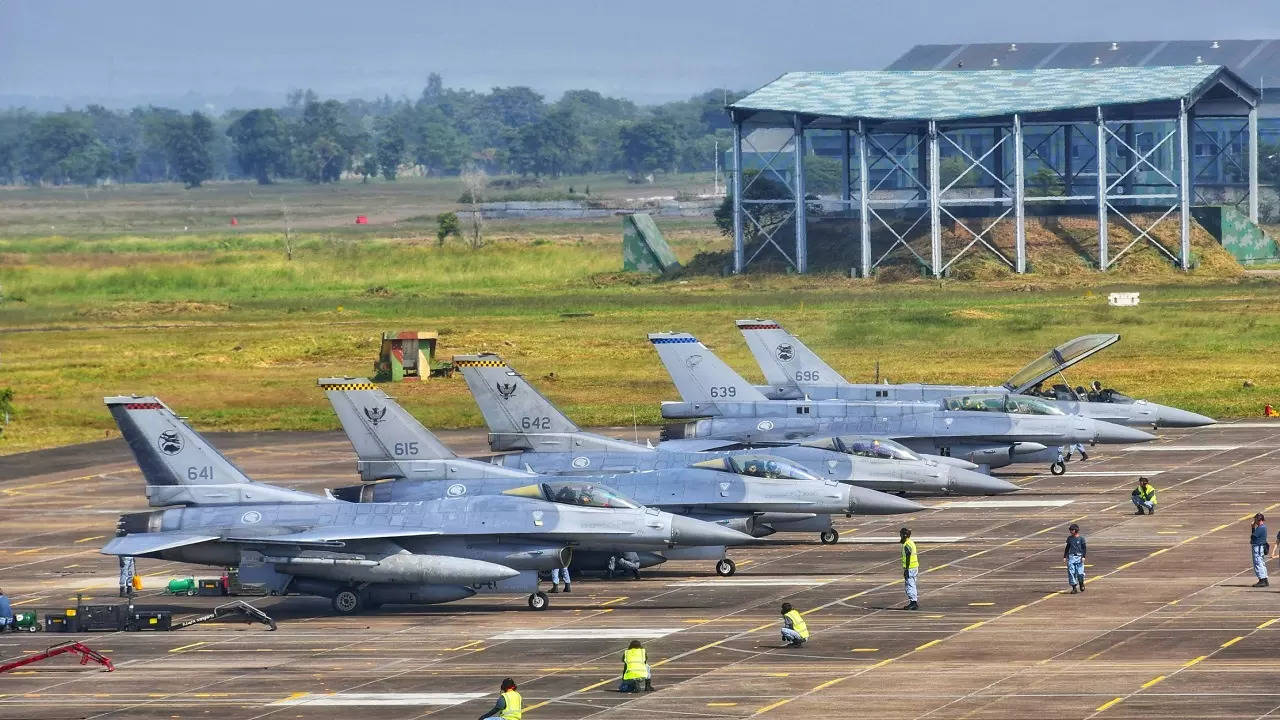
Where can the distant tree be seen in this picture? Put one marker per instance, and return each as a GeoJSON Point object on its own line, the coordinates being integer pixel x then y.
{"type": "Point", "coordinates": [368, 168]}
{"type": "Point", "coordinates": [260, 140]}
{"type": "Point", "coordinates": [62, 148]}
{"type": "Point", "coordinates": [185, 142]}
{"type": "Point", "coordinates": [758, 186]}
{"type": "Point", "coordinates": [953, 167]}
{"type": "Point", "coordinates": [447, 226]}
{"type": "Point", "coordinates": [550, 146]}
{"type": "Point", "coordinates": [821, 175]}
{"type": "Point", "coordinates": [652, 144]}
{"type": "Point", "coordinates": [322, 146]}
{"type": "Point", "coordinates": [439, 147]}
{"type": "Point", "coordinates": [6, 407]}
{"type": "Point", "coordinates": [474, 181]}
{"type": "Point", "coordinates": [391, 147]}
{"type": "Point", "coordinates": [1046, 183]}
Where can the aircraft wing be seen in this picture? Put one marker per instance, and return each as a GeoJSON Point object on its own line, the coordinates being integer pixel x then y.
{"type": "Point", "coordinates": [143, 543]}
{"type": "Point", "coordinates": [322, 537]}
{"type": "Point", "coordinates": [698, 445]}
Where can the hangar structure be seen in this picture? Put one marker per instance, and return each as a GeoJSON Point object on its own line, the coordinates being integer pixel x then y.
{"type": "Point", "coordinates": [892, 129]}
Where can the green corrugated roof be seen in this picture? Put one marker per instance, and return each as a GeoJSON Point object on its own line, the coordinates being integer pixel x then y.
{"type": "Point", "coordinates": [944, 95]}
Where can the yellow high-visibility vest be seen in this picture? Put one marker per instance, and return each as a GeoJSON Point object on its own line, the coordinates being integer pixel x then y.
{"type": "Point", "coordinates": [797, 623]}
{"type": "Point", "coordinates": [1148, 495]}
{"type": "Point", "coordinates": [637, 664]}
{"type": "Point", "coordinates": [515, 706]}
{"type": "Point", "coordinates": [914, 560]}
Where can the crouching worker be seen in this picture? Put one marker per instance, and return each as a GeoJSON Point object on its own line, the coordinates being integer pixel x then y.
{"type": "Point", "coordinates": [794, 631]}
{"type": "Point", "coordinates": [1144, 497]}
{"type": "Point", "coordinates": [635, 669]}
{"type": "Point", "coordinates": [510, 705]}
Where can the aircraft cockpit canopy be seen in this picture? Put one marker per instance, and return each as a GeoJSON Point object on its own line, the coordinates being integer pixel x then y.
{"type": "Point", "coordinates": [761, 466]}
{"type": "Point", "coordinates": [1016, 404]}
{"type": "Point", "coordinates": [584, 494]}
{"type": "Point", "coordinates": [862, 446]}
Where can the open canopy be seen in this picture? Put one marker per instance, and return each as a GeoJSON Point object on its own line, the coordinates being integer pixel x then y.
{"type": "Point", "coordinates": [1058, 359]}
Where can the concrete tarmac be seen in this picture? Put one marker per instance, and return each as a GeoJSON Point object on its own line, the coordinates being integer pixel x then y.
{"type": "Point", "coordinates": [1168, 626]}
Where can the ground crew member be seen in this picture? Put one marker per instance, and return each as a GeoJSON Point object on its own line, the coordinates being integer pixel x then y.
{"type": "Point", "coordinates": [635, 667]}
{"type": "Point", "coordinates": [6, 613]}
{"type": "Point", "coordinates": [1144, 497]}
{"type": "Point", "coordinates": [555, 579]}
{"type": "Point", "coordinates": [794, 631]}
{"type": "Point", "coordinates": [510, 705]}
{"type": "Point", "coordinates": [1077, 448]}
{"type": "Point", "coordinates": [1074, 555]}
{"type": "Point", "coordinates": [127, 571]}
{"type": "Point", "coordinates": [1258, 545]}
{"type": "Point", "coordinates": [910, 567]}
{"type": "Point", "coordinates": [627, 562]}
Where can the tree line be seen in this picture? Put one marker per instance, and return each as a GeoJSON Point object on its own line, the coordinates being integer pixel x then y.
{"type": "Point", "coordinates": [508, 130]}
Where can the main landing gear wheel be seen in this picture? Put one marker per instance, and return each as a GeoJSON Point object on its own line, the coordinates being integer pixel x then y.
{"type": "Point", "coordinates": [539, 601]}
{"type": "Point", "coordinates": [347, 601]}
{"type": "Point", "coordinates": [1058, 468]}
{"type": "Point", "coordinates": [829, 537]}
{"type": "Point", "coordinates": [726, 567]}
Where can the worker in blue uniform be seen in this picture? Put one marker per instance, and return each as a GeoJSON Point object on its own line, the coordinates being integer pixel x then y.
{"type": "Point", "coordinates": [1074, 555]}
{"type": "Point", "coordinates": [1258, 548]}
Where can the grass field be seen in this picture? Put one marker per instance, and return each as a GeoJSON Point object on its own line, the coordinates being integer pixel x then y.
{"type": "Point", "coordinates": [225, 329]}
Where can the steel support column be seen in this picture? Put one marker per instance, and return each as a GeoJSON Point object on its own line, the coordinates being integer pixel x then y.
{"type": "Point", "coordinates": [1019, 192]}
{"type": "Point", "coordinates": [845, 164]}
{"type": "Point", "coordinates": [997, 161]}
{"type": "Point", "coordinates": [1253, 163]}
{"type": "Point", "coordinates": [864, 200]}
{"type": "Point", "coordinates": [1068, 164]}
{"type": "Point", "coordinates": [739, 253]}
{"type": "Point", "coordinates": [1101, 152]}
{"type": "Point", "coordinates": [1184, 188]}
{"type": "Point", "coordinates": [802, 240]}
{"type": "Point", "coordinates": [935, 220]}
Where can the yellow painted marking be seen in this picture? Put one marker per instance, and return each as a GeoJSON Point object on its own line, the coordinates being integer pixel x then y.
{"type": "Point", "coordinates": [882, 663]}
{"type": "Point", "coordinates": [1220, 527]}
{"type": "Point", "coordinates": [87, 539]}
{"type": "Point", "coordinates": [981, 604]}
{"type": "Point", "coordinates": [1127, 565]}
{"type": "Point", "coordinates": [31, 550]}
{"type": "Point", "coordinates": [1161, 551]}
{"type": "Point", "coordinates": [464, 647]}
{"type": "Point", "coordinates": [827, 684]}
{"type": "Point", "coordinates": [779, 674]}
{"type": "Point", "coordinates": [937, 567]}
{"type": "Point", "coordinates": [721, 704]}
{"type": "Point", "coordinates": [865, 649]}
{"type": "Point", "coordinates": [929, 644]}
{"type": "Point", "coordinates": [1166, 532]}
{"type": "Point", "coordinates": [771, 706]}
{"type": "Point", "coordinates": [1151, 682]}
{"type": "Point", "coordinates": [1189, 663]}
{"type": "Point", "coordinates": [1108, 704]}
{"type": "Point", "coordinates": [1049, 595]}
{"type": "Point", "coordinates": [974, 626]}
{"type": "Point", "coordinates": [188, 647]}
{"type": "Point", "coordinates": [615, 600]}
{"type": "Point", "coordinates": [1232, 641]}
{"type": "Point", "coordinates": [697, 620]}
{"type": "Point", "coordinates": [1265, 624]}
{"type": "Point", "coordinates": [745, 562]}
{"type": "Point", "coordinates": [1014, 610]}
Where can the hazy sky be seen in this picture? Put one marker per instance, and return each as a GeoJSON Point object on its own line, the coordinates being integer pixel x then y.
{"type": "Point", "coordinates": [256, 50]}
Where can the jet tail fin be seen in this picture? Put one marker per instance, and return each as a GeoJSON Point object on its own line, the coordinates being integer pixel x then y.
{"type": "Point", "coordinates": [180, 466]}
{"type": "Point", "coordinates": [384, 435]}
{"type": "Point", "coordinates": [784, 359]}
{"type": "Point", "coordinates": [513, 409]}
{"type": "Point", "coordinates": [698, 374]}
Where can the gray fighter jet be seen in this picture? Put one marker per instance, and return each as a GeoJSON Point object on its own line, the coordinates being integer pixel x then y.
{"type": "Point", "coordinates": [361, 554]}
{"type": "Point", "coordinates": [722, 405]}
{"type": "Point", "coordinates": [794, 371]}
{"type": "Point", "coordinates": [523, 420]}
{"type": "Point", "coordinates": [391, 444]}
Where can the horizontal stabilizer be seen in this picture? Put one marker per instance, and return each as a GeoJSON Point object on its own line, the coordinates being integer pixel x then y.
{"type": "Point", "coordinates": [144, 543]}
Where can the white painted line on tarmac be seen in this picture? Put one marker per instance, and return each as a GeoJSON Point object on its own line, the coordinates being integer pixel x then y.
{"type": "Point", "coordinates": [442, 698]}
{"type": "Point", "coordinates": [1178, 448]}
{"type": "Point", "coordinates": [894, 540]}
{"type": "Point", "coordinates": [1004, 504]}
{"type": "Point", "coordinates": [751, 582]}
{"type": "Point", "coordinates": [1243, 425]}
{"type": "Point", "coordinates": [586, 634]}
{"type": "Point", "coordinates": [1111, 473]}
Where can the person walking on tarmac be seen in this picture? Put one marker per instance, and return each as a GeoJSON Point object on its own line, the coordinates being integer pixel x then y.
{"type": "Point", "coordinates": [794, 631]}
{"type": "Point", "coordinates": [1074, 555]}
{"type": "Point", "coordinates": [910, 567]}
{"type": "Point", "coordinates": [635, 668]}
{"type": "Point", "coordinates": [1144, 497]}
{"type": "Point", "coordinates": [6, 613]}
{"type": "Point", "coordinates": [1259, 548]}
{"type": "Point", "coordinates": [510, 705]}
{"type": "Point", "coordinates": [556, 573]}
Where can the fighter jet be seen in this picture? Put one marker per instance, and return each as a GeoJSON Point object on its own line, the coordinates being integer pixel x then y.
{"type": "Point", "coordinates": [521, 419]}
{"type": "Point", "coordinates": [361, 555]}
{"type": "Point", "coordinates": [721, 405]}
{"type": "Point", "coordinates": [780, 497]}
{"type": "Point", "coordinates": [794, 371]}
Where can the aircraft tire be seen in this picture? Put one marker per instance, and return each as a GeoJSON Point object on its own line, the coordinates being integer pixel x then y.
{"type": "Point", "coordinates": [726, 567]}
{"type": "Point", "coordinates": [829, 537]}
{"type": "Point", "coordinates": [347, 601]}
{"type": "Point", "coordinates": [1058, 468]}
{"type": "Point", "coordinates": [539, 601]}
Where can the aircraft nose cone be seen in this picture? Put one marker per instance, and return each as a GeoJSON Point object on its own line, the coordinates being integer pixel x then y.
{"type": "Point", "coordinates": [863, 501]}
{"type": "Point", "coordinates": [1173, 417]}
{"type": "Point", "coordinates": [691, 531]}
{"type": "Point", "coordinates": [1111, 433]}
{"type": "Point", "coordinates": [968, 482]}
